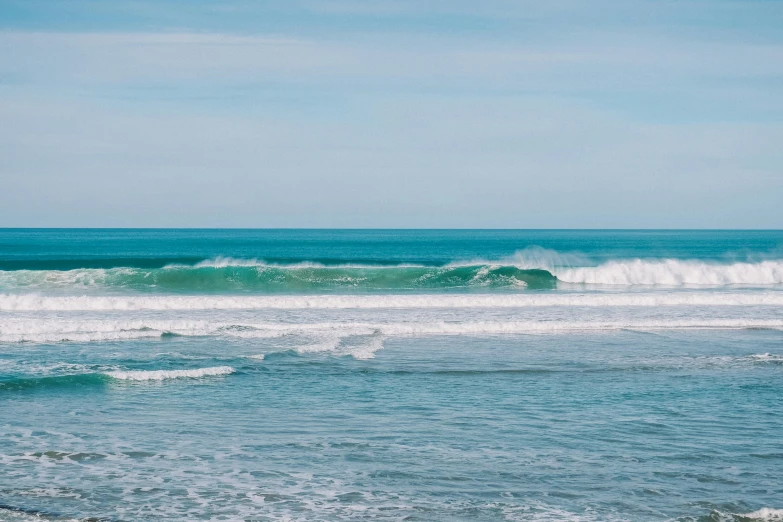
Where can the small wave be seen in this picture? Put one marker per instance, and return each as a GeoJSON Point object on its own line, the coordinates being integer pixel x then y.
{"type": "Point", "coordinates": [159, 375]}
{"type": "Point", "coordinates": [99, 379]}
{"type": "Point", "coordinates": [367, 349]}
{"type": "Point", "coordinates": [327, 345]}
{"type": "Point", "coordinates": [357, 346]}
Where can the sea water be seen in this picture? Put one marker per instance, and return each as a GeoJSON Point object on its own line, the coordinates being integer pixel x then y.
{"type": "Point", "coordinates": [391, 375]}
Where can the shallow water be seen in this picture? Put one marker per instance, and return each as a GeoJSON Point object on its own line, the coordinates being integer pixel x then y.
{"type": "Point", "coordinates": [464, 401]}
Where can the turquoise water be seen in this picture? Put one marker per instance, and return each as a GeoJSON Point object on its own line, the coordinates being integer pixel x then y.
{"type": "Point", "coordinates": [391, 375]}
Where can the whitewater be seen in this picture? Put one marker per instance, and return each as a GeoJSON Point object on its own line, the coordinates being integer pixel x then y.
{"type": "Point", "coordinates": [33, 302]}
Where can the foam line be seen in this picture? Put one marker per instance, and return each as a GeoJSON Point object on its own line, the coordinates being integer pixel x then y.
{"type": "Point", "coordinates": [38, 330]}
{"type": "Point", "coordinates": [36, 302]}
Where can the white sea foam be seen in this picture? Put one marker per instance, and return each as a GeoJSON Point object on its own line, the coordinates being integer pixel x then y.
{"type": "Point", "coordinates": [513, 327]}
{"type": "Point", "coordinates": [85, 330]}
{"type": "Point", "coordinates": [672, 272]}
{"type": "Point", "coordinates": [767, 357]}
{"type": "Point", "coordinates": [50, 337]}
{"type": "Point", "coordinates": [36, 302]}
{"type": "Point", "coordinates": [367, 349]}
{"type": "Point", "coordinates": [63, 329]}
{"type": "Point", "coordinates": [54, 369]}
{"type": "Point", "coordinates": [765, 514]}
{"type": "Point", "coordinates": [357, 343]}
{"type": "Point", "coordinates": [159, 375]}
{"type": "Point", "coordinates": [77, 278]}
{"type": "Point", "coordinates": [329, 344]}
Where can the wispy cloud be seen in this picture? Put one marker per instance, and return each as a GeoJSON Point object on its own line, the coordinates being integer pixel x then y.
{"type": "Point", "coordinates": [115, 58]}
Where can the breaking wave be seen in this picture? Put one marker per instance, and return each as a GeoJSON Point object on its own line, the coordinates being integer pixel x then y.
{"type": "Point", "coordinates": [526, 270]}
{"type": "Point", "coordinates": [766, 514]}
{"type": "Point", "coordinates": [103, 378]}
{"type": "Point", "coordinates": [673, 272]}
{"type": "Point", "coordinates": [234, 276]}
{"type": "Point", "coordinates": [761, 515]}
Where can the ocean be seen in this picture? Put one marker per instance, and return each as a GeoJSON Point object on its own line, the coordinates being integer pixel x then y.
{"type": "Point", "coordinates": [422, 375]}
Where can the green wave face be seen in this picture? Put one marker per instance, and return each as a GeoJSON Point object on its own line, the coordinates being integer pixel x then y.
{"type": "Point", "coordinates": [59, 382]}
{"type": "Point", "coordinates": [284, 279]}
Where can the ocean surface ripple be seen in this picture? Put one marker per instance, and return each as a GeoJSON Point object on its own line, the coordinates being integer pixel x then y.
{"type": "Point", "coordinates": [391, 375]}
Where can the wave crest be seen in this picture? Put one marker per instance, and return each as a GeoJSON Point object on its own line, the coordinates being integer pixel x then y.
{"type": "Point", "coordinates": [160, 375]}
{"type": "Point", "coordinates": [672, 272]}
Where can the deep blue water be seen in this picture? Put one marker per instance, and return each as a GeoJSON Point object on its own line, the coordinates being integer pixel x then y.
{"type": "Point", "coordinates": [391, 375]}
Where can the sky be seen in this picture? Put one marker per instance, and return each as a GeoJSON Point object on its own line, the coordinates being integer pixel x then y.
{"type": "Point", "coordinates": [375, 113]}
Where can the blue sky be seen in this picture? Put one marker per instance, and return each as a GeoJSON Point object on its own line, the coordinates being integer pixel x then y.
{"type": "Point", "coordinates": [632, 113]}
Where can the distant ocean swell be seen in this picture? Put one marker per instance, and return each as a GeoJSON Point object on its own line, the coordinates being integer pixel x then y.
{"type": "Point", "coordinates": [230, 275]}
